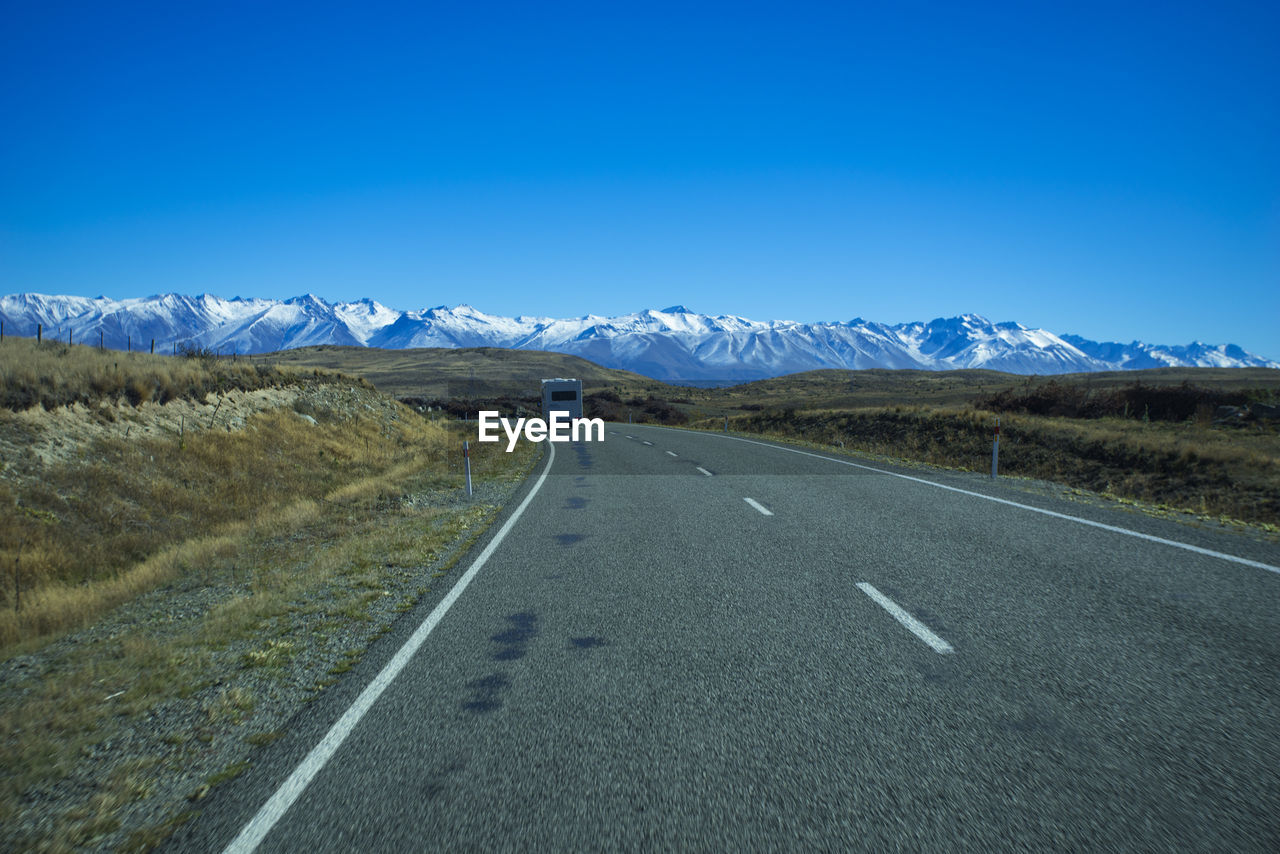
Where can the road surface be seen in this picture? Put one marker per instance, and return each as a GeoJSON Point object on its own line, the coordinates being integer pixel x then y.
{"type": "Point", "coordinates": [684, 641]}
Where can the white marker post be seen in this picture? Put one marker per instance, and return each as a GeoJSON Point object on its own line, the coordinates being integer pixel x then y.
{"type": "Point", "coordinates": [995, 450]}
{"type": "Point", "coordinates": [466, 458]}
{"type": "Point", "coordinates": [726, 424]}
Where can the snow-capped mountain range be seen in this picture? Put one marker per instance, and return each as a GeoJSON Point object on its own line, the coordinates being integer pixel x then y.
{"type": "Point", "coordinates": [673, 344]}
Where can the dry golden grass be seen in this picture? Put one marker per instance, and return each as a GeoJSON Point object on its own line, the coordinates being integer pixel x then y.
{"type": "Point", "coordinates": [333, 516]}
{"type": "Point", "coordinates": [84, 536]}
{"type": "Point", "coordinates": [1195, 466]}
{"type": "Point", "coordinates": [462, 373]}
{"type": "Point", "coordinates": [837, 389]}
{"type": "Point", "coordinates": [57, 374]}
{"type": "Point", "coordinates": [306, 513]}
{"type": "Point", "coordinates": [938, 418]}
{"type": "Point", "coordinates": [330, 558]}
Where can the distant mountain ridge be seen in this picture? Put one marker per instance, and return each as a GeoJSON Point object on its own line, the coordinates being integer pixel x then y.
{"type": "Point", "coordinates": [673, 344]}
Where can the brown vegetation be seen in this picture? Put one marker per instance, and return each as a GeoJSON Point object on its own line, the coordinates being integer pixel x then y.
{"type": "Point", "coordinates": [55, 374]}
{"type": "Point", "coordinates": [1137, 400]}
{"type": "Point", "coordinates": [82, 536]}
{"type": "Point", "coordinates": [117, 732]}
{"type": "Point", "coordinates": [190, 561]}
{"type": "Point", "coordinates": [468, 373]}
{"type": "Point", "coordinates": [1201, 468]}
{"type": "Point", "coordinates": [638, 410]}
{"type": "Point", "coordinates": [467, 408]}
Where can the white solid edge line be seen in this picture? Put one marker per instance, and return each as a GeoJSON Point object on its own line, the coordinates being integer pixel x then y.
{"type": "Point", "coordinates": [1113, 528]}
{"type": "Point", "coordinates": [252, 834]}
{"type": "Point", "coordinates": [917, 628]}
{"type": "Point", "coordinates": [672, 454]}
{"type": "Point", "coordinates": [704, 471]}
{"type": "Point", "coordinates": [758, 506]}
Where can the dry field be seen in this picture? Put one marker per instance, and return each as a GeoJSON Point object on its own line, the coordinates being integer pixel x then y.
{"type": "Point", "coordinates": [882, 388]}
{"type": "Point", "coordinates": [177, 578]}
{"type": "Point", "coordinates": [1228, 473]}
{"type": "Point", "coordinates": [465, 373]}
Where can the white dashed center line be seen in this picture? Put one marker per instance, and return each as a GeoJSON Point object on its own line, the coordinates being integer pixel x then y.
{"type": "Point", "coordinates": [704, 471]}
{"type": "Point", "coordinates": [648, 443]}
{"type": "Point", "coordinates": [758, 506]}
{"type": "Point", "coordinates": [918, 628]}
{"type": "Point", "coordinates": [672, 454]}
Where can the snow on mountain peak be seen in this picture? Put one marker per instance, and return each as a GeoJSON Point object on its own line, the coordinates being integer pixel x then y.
{"type": "Point", "coordinates": [671, 344]}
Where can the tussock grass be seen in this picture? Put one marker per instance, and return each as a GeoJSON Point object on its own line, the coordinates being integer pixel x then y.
{"type": "Point", "coordinates": [459, 382]}
{"type": "Point", "coordinates": [1195, 466]}
{"type": "Point", "coordinates": [1138, 400]}
{"type": "Point", "coordinates": [253, 546]}
{"type": "Point", "coordinates": [329, 563]}
{"type": "Point", "coordinates": [86, 536]}
{"type": "Point", "coordinates": [313, 524]}
{"type": "Point", "coordinates": [468, 373]}
{"type": "Point", "coordinates": [53, 374]}
{"type": "Point", "coordinates": [839, 389]}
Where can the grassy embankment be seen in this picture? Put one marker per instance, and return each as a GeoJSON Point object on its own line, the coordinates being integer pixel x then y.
{"type": "Point", "coordinates": [314, 508]}
{"type": "Point", "coordinates": [54, 374]}
{"type": "Point", "coordinates": [121, 516]}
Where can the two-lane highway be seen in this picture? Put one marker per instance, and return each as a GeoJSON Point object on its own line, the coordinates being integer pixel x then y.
{"type": "Point", "coordinates": [691, 641]}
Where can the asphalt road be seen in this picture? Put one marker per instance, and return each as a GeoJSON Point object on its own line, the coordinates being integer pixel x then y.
{"type": "Point", "coordinates": [648, 661]}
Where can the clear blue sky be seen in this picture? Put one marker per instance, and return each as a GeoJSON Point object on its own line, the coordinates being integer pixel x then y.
{"type": "Point", "coordinates": [1107, 169]}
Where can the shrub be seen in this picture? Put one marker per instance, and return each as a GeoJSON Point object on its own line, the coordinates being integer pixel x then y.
{"type": "Point", "coordinates": [1138, 400]}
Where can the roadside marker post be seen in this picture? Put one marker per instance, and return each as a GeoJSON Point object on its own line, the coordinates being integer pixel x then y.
{"type": "Point", "coordinates": [995, 450]}
{"type": "Point", "coordinates": [726, 424]}
{"type": "Point", "coordinates": [466, 457]}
